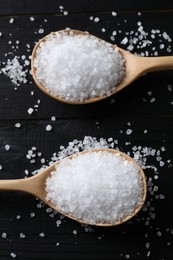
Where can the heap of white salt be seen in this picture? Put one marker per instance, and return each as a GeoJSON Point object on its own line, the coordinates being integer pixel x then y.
{"type": "Point", "coordinates": [96, 187]}
{"type": "Point", "coordinates": [77, 67]}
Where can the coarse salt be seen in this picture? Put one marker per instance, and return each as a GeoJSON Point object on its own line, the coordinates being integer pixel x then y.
{"type": "Point", "coordinates": [48, 128]}
{"type": "Point", "coordinates": [111, 187]}
{"type": "Point", "coordinates": [77, 67]}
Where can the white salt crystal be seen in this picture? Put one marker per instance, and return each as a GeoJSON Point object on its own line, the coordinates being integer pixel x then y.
{"type": "Point", "coordinates": [114, 13]}
{"type": "Point", "coordinates": [53, 118]}
{"type": "Point", "coordinates": [147, 245]}
{"type": "Point", "coordinates": [4, 235]}
{"type": "Point", "coordinates": [30, 110]}
{"type": "Point", "coordinates": [58, 223]}
{"type": "Point", "coordinates": [96, 19]}
{"type": "Point", "coordinates": [159, 233]}
{"type": "Point", "coordinates": [18, 217]}
{"type": "Point", "coordinates": [112, 188]}
{"type": "Point", "coordinates": [48, 128]}
{"type": "Point", "coordinates": [32, 18]}
{"type": "Point", "coordinates": [152, 100]}
{"type": "Point", "coordinates": [65, 13]}
{"type": "Point", "coordinates": [103, 30]}
{"type": "Point", "coordinates": [41, 30]}
{"type": "Point", "coordinates": [75, 232]}
{"type": "Point", "coordinates": [22, 235]}
{"type": "Point", "coordinates": [32, 214]}
{"type": "Point", "coordinates": [0, 34]}
{"type": "Point", "coordinates": [129, 131]}
{"type": "Point", "coordinates": [170, 87]}
{"type": "Point", "coordinates": [162, 46]}
{"type": "Point", "coordinates": [7, 147]}
{"type": "Point", "coordinates": [42, 160]}
{"type": "Point", "coordinates": [97, 72]}
{"type": "Point", "coordinates": [130, 47]}
{"type": "Point", "coordinates": [91, 18]}
{"type": "Point", "coordinates": [57, 244]}
{"type": "Point", "coordinates": [42, 234]}
{"type": "Point", "coordinates": [18, 125]}
{"type": "Point", "coordinates": [13, 255]}
{"type": "Point", "coordinates": [124, 41]}
{"type": "Point", "coordinates": [11, 20]}
{"type": "Point", "coordinates": [0, 167]}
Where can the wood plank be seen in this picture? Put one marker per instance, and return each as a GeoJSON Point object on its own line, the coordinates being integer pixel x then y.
{"type": "Point", "coordinates": [16, 7]}
{"type": "Point", "coordinates": [134, 99]}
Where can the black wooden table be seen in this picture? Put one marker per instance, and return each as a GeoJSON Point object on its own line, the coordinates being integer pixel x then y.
{"type": "Point", "coordinates": [27, 231]}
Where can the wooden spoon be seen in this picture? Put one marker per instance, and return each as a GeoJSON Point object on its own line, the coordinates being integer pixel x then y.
{"type": "Point", "coordinates": [36, 184]}
{"type": "Point", "coordinates": [135, 67]}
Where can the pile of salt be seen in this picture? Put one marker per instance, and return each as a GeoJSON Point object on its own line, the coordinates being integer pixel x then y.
{"type": "Point", "coordinates": [96, 187]}
{"type": "Point", "coordinates": [77, 67]}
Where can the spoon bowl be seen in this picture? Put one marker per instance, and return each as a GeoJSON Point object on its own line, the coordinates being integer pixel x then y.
{"type": "Point", "coordinates": [136, 66]}
{"type": "Point", "coordinates": [36, 185]}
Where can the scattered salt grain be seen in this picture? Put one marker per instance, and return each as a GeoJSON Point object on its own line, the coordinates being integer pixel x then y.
{"type": "Point", "coordinates": [32, 214]}
{"type": "Point", "coordinates": [129, 131]}
{"type": "Point", "coordinates": [22, 235]}
{"type": "Point", "coordinates": [13, 255]}
{"type": "Point", "coordinates": [159, 234]}
{"type": "Point", "coordinates": [0, 167]}
{"type": "Point", "coordinates": [4, 235]}
{"type": "Point", "coordinates": [96, 19]}
{"type": "Point", "coordinates": [32, 18]}
{"type": "Point", "coordinates": [75, 232]}
{"type": "Point", "coordinates": [15, 71]}
{"type": "Point", "coordinates": [11, 20]}
{"type": "Point", "coordinates": [152, 100]}
{"type": "Point", "coordinates": [124, 41]}
{"type": "Point", "coordinates": [41, 30]}
{"type": "Point", "coordinates": [113, 191]}
{"type": "Point", "coordinates": [57, 244]}
{"type": "Point", "coordinates": [53, 118]}
{"type": "Point", "coordinates": [170, 87]}
{"type": "Point", "coordinates": [65, 13]}
{"type": "Point", "coordinates": [58, 223]}
{"type": "Point", "coordinates": [30, 110]}
{"type": "Point", "coordinates": [114, 14]}
{"type": "Point", "coordinates": [7, 147]}
{"type": "Point", "coordinates": [48, 128]}
{"type": "Point", "coordinates": [18, 125]}
{"type": "Point", "coordinates": [0, 34]}
{"type": "Point", "coordinates": [103, 30]}
{"type": "Point", "coordinates": [18, 217]}
{"type": "Point", "coordinates": [42, 234]}
{"type": "Point", "coordinates": [97, 72]}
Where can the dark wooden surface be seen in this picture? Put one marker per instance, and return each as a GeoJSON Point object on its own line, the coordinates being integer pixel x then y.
{"type": "Point", "coordinates": [74, 122]}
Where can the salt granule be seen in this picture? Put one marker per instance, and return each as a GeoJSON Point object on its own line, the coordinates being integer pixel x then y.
{"type": "Point", "coordinates": [30, 110]}
{"type": "Point", "coordinates": [7, 147]}
{"type": "Point", "coordinates": [77, 67]}
{"type": "Point", "coordinates": [111, 187]}
{"type": "Point", "coordinates": [48, 128]}
{"type": "Point", "coordinates": [13, 255]}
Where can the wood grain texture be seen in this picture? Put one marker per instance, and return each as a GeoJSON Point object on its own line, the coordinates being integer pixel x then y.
{"type": "Point", "coordinates": [109, 118]}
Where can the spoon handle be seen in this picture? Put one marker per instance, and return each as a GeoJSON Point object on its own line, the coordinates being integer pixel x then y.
{"type": "Point", "coordinates": [29, 185]}
{"type": "Point", "coordinates": [150, 64]}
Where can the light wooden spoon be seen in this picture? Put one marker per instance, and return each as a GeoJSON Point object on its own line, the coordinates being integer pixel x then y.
{"type": "Point", "coordinates": [36, 184]}
{"type": "Point", "coordinates": [135, 67]}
